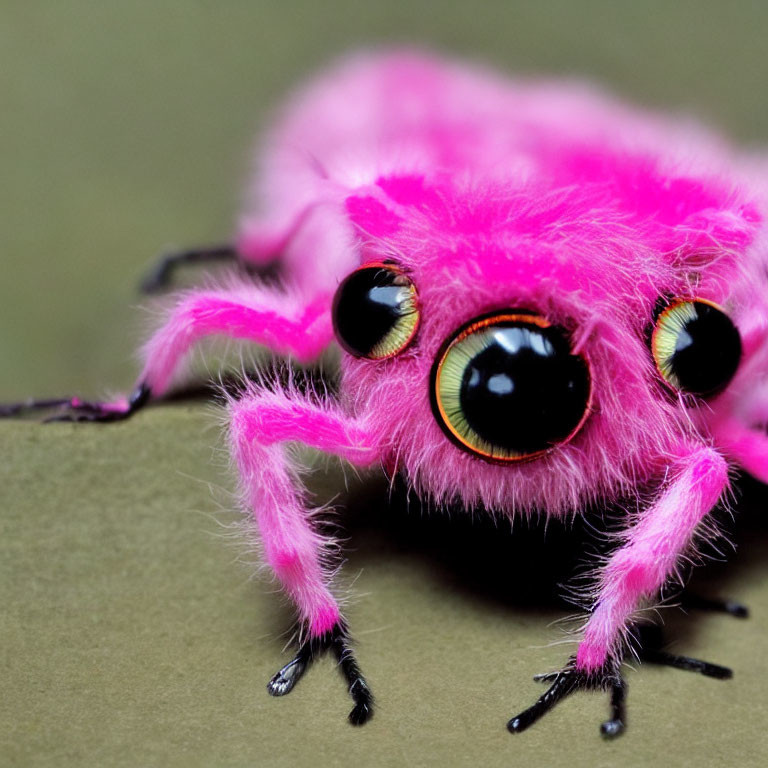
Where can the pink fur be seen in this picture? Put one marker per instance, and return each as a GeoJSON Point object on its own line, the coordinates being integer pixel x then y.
{"type": "Point", "coordinates": [652, 550]}
{"type": "Point", "coordinates": [493, 194]}
{"type": "Point", "coordinates": [259, 425]}
{"type": "Point", "coordinates": [283, 323]}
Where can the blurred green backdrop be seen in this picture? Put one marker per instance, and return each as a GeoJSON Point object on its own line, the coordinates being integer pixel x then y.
{"type": "Point", "coordinates": [125, 128]}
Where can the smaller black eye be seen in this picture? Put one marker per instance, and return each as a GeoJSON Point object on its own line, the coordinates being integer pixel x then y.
{"type": "Point", "coordinates": [375, 312]}
{"type": "Point", "coordinates": [696, 346]}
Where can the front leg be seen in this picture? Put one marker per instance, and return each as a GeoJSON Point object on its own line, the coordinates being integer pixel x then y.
{"type": "Point", "coordinates": [649, 556]}
{"type": "Point", "coordinates": [296, 326]}
{"type": "Point", "coordinates": [293, 548]}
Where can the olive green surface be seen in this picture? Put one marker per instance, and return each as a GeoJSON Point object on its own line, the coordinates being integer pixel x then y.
{"type": "Point", "coordinates": [132, 632]}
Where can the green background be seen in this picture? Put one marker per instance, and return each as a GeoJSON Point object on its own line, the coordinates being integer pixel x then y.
{"type": "Point", "coordinates": [132, 633]}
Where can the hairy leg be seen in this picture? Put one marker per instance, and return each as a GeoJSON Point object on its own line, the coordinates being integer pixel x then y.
{"type": "Point", "coordinates": [287, 325]}
{"type": "Point", "coordinates": [651, 552]}
{"type": "Point", "coordinates": [293, 549]}
{"type": "Point", "coordinates": [636, 571]}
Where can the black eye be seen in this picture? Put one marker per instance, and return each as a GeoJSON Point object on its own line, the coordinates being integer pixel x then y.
{"type": "Point", "coordinates": [375, 313]}
{"type": "Point", "coordinates": [696, 346]}
{"type": "Point", "coordinates": [507, 387]}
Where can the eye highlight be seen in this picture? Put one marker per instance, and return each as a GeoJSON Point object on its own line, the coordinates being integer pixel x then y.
{"type": "Point", "coordinates": [375, 312]}
{"type": "Point", "coordinates": [696, 346]}
{"type": "Point", "coordinates": [507, 387]}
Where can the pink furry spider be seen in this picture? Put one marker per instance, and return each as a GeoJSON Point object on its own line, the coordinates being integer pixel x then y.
{"type": "Point", "coordinates": [548, 300]}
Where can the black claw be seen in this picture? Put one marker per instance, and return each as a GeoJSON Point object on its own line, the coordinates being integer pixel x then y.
{"type": "Point", "coordinates": [284, 681]}
{"type": "Point", "coordinates": [565, 682]}
{"type": "Point", "coordinates": [615, 726]}
{"type": "Point", "coordinates": [650, 643]}
{"type": "Point", "coordinates": [139, 397]}
{"type": "Point", "coordinates": [612, 728]}
{"type": "Point", "coordinates": [358, 687]}
{"type": "Point", "coordinates": [337, 640]}
{"type": "Point", "coordinates": [360, 714]}
{"type": "Point", "coordinates": [572, 679]}
{"type": "Point", "coordinates": [735, 609]}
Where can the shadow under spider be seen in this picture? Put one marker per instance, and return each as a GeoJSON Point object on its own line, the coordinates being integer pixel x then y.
{"type": "Point", "coordinates": [534, 565]}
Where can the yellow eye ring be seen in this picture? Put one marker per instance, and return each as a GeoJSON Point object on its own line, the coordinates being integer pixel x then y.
{"type": "Point", "coordinates": [507, 388]}
{"type": "Point", "coordinates": [376, 312]}
{"type": "Point", "coordinates": [695, 346]}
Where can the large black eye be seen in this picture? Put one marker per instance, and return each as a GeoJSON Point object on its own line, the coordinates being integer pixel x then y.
{"type": "Point", "coordinates": [696, 346]}
{"type": "Point", "coordinates": [375, 314]}
{"type": "Point", "coordinates": [507, 387]}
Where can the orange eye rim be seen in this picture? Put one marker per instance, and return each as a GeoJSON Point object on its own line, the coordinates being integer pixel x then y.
{"type": "Point", "coordinates": [472, 326]}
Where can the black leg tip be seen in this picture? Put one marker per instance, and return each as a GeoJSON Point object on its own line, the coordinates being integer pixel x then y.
{"type": "Point", "coordinates": [361, 713]}
{"type": "Point", "coordinates": [279, 685]}
{"type": "Point", "coordinates": [284, 681]}
{"type": "Point", "coordinates": [716, 671]}
{"type": "Point", "coordinates": [610, 729]}
{"type": "Point", "coordinates": [518, 724]}
{"type": "Point", "coordinates": [738, 610]}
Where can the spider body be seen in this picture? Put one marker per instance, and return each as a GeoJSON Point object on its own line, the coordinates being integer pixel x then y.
{"type": "Point", "coordinates": [518, 240]}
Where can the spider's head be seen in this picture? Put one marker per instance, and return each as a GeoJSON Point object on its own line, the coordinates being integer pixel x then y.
{"type": "Point", "coordinates": [497, 336]}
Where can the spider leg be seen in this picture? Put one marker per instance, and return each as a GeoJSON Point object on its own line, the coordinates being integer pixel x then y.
{"type": "Point", "coordinates": [295, 326]}
{"type": "Point", "coordinates": [636, 571]}
{"type": "Point", "coordinates": [357, 685]}
{"type": "Point", "coordinates": [160, 275]}
{"type": "Point", "coordinates": [706, 668]}
{"type": "Point", "coordinates": [615, 725]}
{"type": "Point", "coordinates": [287, 325]}
{"type": "Point", "coordinates": [75, 409]}
{"type": "Point", "coordinates": [650, 650]}
{"type": "Point", "coordinates": [571, 679]}
{"type": "Point", "coordinates": [296, 552]}
{"type": "Point", "coordinates": [651, 550]}
{"type": "Point", "coordinates": [256, 245]}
